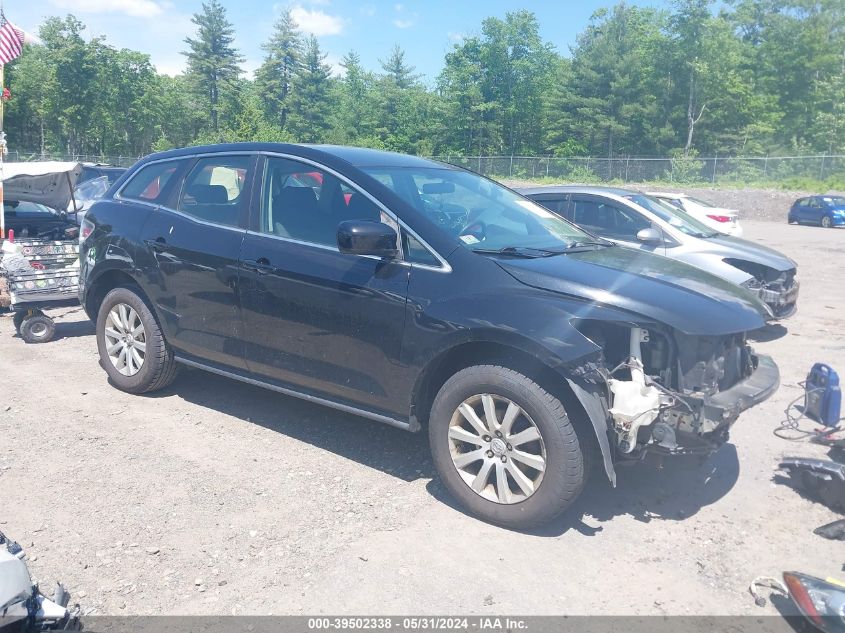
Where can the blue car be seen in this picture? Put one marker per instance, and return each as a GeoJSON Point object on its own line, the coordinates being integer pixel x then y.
{"type": "Point", "coordinates": [826, 211]}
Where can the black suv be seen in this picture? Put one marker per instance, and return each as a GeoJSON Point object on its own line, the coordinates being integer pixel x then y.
{"type": "Point", "coordinates": [423, 296]}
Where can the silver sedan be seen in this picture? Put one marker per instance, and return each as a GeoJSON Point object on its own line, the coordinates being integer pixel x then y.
{"type": "Point", "coordinates": [637, 220]}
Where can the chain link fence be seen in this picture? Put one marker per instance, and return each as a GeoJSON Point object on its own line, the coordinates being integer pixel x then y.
{"type": "Point", "coordinates": [671, 170]}
{"type": "Point", "coordinates": [692, 170]}
{"type": "Point", "coordinates": [14, 156]}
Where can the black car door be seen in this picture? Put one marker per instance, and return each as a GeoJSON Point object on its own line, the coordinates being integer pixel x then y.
{"type": "Point", "coordinates": [317, 319]}
{"type": "Point", "coordinates": [195, 237]}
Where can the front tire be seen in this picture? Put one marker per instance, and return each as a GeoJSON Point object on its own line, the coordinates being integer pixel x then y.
{"type": "Point", "coordinates": [826, 222]}
{"type": "Point", "coordinates": [131, 345]}
{"type": "Point", "coordinates": [504, 447]}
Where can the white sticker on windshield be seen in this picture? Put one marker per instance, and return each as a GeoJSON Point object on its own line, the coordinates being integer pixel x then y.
{"type": "Point", "coordinates": [469, 239]}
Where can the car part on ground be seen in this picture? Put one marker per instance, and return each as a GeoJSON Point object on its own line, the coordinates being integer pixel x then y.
{"type": "Point", "coordinates": [21, 603]}
{"type": "Point", "coordinates": [636, 220]}
{"type": "Point", "coordinates": [834, 531]}
{"type": "Point", "coordinates": [827, 211]}
{"type": "Point", "coordinates": [821, 479]}
{"type": "Point", "coordinates": [412, 292]}
{"type": "Point", "coordinates": [822, 602]}
{"type": "Point", "coordinates": [718, 218]}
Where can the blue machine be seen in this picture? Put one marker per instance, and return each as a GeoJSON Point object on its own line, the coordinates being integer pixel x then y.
{"type": "Point", "coordinates": [822, 396]}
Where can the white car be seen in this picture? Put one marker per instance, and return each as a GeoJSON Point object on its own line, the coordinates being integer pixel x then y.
{"type": "Point", "coordinates": [719, 219]}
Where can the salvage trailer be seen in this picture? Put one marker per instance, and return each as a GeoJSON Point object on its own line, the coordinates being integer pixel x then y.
{"type": "Point", "coordinates": [40, 274]}
{"type": "Point", "coordinates": [52, 281]}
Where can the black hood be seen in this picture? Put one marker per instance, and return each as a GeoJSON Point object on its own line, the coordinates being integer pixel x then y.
{"type": "Point", "coordinates": [661, 289]}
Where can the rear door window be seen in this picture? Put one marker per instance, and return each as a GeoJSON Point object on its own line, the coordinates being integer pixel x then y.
{"type": "Point", "coordinates": [150, 182]}
{"type": "Point", "coordinates": [213, 191]}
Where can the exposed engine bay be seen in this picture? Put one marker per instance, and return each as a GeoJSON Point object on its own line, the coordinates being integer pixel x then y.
{"type": "Point", "coordinates": [673, 393]}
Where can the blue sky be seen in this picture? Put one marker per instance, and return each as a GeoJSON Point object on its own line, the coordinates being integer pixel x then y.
{"type": "Point", "coordinates": [425, 29]}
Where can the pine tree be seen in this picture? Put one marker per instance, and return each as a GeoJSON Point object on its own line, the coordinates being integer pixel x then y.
{"type": "Point", "coordinates": [213, 62]}
{"type": "Point", "coordinates": [275, 76]}
{"type": "Point", "coordinates": [310, 105]}
{"type": "Point", "coordinates": [397, 70]}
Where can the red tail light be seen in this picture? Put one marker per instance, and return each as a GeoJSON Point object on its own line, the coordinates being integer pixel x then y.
{"type": "Point", "coordinates": [720, 218]}
{"type": "Point", "coordinates": [85, 230]}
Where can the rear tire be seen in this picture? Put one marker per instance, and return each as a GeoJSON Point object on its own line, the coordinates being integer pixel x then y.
{"type": "Point", "coordinates": [38, 328]}
{"type": "Point", "coordinates": [132, 347]}
{"type": "Point", "coordinates": [471, 460]}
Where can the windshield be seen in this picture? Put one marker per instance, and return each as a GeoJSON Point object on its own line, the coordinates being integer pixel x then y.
{"type": "Point", "coordinates": [481, 213]}
{"type": "Point", "coordinates": [673, 215]}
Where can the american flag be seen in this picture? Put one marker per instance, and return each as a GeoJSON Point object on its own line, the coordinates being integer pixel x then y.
{"type": "Point", "coordinates": [11, 42]}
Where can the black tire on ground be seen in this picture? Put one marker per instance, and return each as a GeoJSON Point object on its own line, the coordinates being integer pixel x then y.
{"type": "Point", "coordinates": [17, 319]}
{"type": "Point", "coordinates": [38, 328]}
{"type": "Point", "coordinates": [826, 222]}
{"type": "Point", "coordinates": [565, 473]}
{"type": "Point", "coordinates": [159, 367]}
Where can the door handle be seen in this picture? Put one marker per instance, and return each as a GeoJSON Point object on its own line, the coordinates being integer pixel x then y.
{"type": "Point", "coordinates": [158, 244]}
{"type": "Point", "coordinates": [262, 265]}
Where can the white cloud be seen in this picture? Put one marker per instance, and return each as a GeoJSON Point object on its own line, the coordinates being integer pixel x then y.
{"type": "Point", "coordinates": [403, 20]}
{"type": "Point", "coordinates": [334, 61]}
{"type": "Point", "coordinates": [316, 21]}
{"type": "Point", "coordinates": [134, 8]}
{"type": "Point", "coordinates": [398, 7]}
{"type": "Point", "coordinates": [403, 24]}
{"type": "Point", "coordinates": [456, 37]}
{"type": "Point", "coordinates": [368, 10]}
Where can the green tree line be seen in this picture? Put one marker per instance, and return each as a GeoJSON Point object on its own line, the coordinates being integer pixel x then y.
{"type": "Point", "coordinates": [756, 76]}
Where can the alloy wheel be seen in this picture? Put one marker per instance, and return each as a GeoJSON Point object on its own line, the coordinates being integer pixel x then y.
{"type": "Point", "coordinates": [497, 448]}
{"type": "Point", "coordinates": [126, 339]}
{"type": "Point", "coordinates": [826, 222]}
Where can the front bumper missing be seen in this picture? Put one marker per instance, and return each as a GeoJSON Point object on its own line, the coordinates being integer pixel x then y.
{"type": "Point", "coordinates": [762, 383]}
{"type": "Point", "coordinates": [701, 424]}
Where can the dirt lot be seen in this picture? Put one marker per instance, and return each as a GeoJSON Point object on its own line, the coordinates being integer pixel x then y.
{"type": "Point", "coordinates": [216, 497]}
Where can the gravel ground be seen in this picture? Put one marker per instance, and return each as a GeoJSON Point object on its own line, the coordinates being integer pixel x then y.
{"type": "Point", "coordinates": [215, 497]}
{"type": "Point", "coordinates": [752, 204]}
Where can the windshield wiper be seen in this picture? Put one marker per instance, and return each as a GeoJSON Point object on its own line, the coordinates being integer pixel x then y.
{"type": "Point", "coordinates": [526, 252]}
{"type": "Point", "coordinates": [583, 243]}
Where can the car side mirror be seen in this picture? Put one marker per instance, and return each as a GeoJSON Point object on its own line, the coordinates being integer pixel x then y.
{"type": "Point", "coordinates": [362, 237]}
{"type": "Point", "coordinates": [649, 236]}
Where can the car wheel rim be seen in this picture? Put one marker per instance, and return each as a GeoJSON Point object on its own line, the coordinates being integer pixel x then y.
{"type": "Point", "coordinates": [497, 448]}
{"type": "Point", "coordinates": [126, 339]}
{"type": "Point", "coordinates": [38, 330]}
{"type": "Point", "coordinates": [826, 222]}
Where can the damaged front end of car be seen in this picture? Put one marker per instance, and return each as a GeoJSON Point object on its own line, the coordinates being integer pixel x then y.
{"type": "Point", "coordinates": [667, 392]}
{"type": "Point", "coordinates": [778, 289]}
